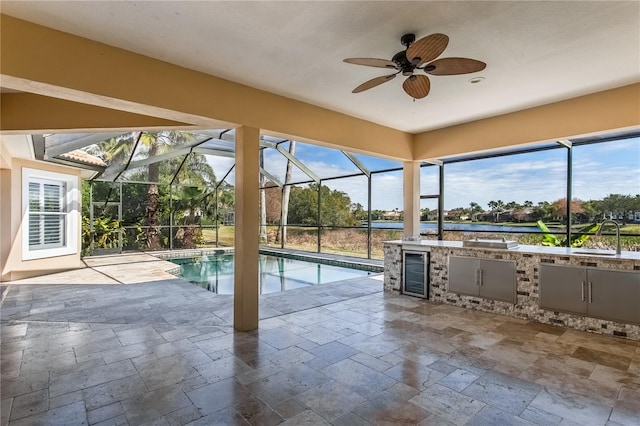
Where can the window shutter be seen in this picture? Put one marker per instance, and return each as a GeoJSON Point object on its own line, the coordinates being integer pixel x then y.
{"type": "Point", "coordinates": [46, 214]}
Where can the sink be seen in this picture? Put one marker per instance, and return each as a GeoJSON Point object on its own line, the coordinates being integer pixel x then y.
{"type": "Point", "coordinates": [590, 253]}
{"type": "Point", "coordinates": [494, 244]}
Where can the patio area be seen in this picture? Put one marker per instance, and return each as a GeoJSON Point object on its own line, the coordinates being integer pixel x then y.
{"type": "Point", "coordinates": [139, 346]}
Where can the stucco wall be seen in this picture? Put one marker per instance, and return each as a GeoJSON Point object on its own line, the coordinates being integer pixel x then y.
{"type": "Point", "coordinates": [13, 267]}
{"type": "Point", "coordinates": [5, 217]}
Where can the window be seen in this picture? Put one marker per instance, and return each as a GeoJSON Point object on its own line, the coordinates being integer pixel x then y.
{"type": "Point", "coordinates": [50, 212]}
{"type": "Point", "coordinates": [47, 215]}
{"type": "Point", "coordinates": [606, 182]}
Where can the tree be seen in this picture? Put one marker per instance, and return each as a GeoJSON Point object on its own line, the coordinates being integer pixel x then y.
{"type": "Point", "coordinates": [157, 143]}
{"type": "Point", "coordinates": [189, 204]}
{"type": "Point", "coordinates": [560, 207]}
{"type": "Point", "coordinates": [619, 205]}
{"type": "Point", "coordinates": [195, 171]}
{"type": "Point", "coordinates": [377, 214]}
{"type": "Point", "coordinates": [474, 210]}
{"type": "Point", "coordinates": [519, 214]}
{"type": "Point", "coordinates": [263, 202]}
{"type": "Point", "coordinates": [496, 207]}
{"type": "Point", "coordinates": [335, 206]}
{"type": "Point", "coordinates": [225, 201]}
{"type": "Point", "coordinates": [512, 205]}
{"type": "Point", "coordinates": [303, 205]}
{"type": "Point", "coordinates": [286, 195]}
{"type": "Point", "coordinates": [543, 211]}
{"type": "Point", "coordinates": [591, 210]}
{"type": "Point", "coordinates": [273, 203]}
{"type": "Point", "coordinates": [358, 212]}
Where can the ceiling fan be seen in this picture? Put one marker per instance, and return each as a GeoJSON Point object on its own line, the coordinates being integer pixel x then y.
{"type": "Point", "coordinates": [418, 55]}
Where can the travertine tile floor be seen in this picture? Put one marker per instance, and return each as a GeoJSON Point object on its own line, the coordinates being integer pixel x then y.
{"type": "Point", "coordinates": [163, 352]}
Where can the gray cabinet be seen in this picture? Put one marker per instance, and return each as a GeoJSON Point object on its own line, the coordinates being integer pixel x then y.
{"type": "Point", "coordinates": [488, 278]}
{"type": "Point", "coordinates": [563, 288]}
{"type": "Point", "coordinates": [600, 293]}
{"type": "Point", "coordinates": [614, 295]}
{"type": "Point", "coordinates": [463, 275]}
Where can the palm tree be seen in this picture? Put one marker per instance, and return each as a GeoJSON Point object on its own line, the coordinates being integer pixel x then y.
{"type": "Point", "coordinates": [263, 202]}
{"type": "Point", "coordinates": [496, 207]}
{"type": "Point", "coordinates": [190, 202]}
{"type": "Point", "coordinates": [157, 143]}
{"type": "Point", "coordinates": [475, 209]}
{"type": "Point", "coordinates": [115, 151]}
{"type": "Point", "coordinates": [196, 171]}
{"type": "Point", "coordinates": [118, 150]}
{"type": "Point", "coordinates": [286, 192]}
{"type": "Point", "coordinates": [225, 198]}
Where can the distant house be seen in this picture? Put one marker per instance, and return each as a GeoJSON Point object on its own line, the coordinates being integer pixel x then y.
{"type": "Point", "coordinates": [486, 216]}
{"type": "Point", "coordinates": [513, 215]}
{"type": "Point", "coordinates": [456, 214]}
{"type": "Point", "coordinates": [517, 215]}
{"type": "Point", "coordinates": [392, 215]}
{"type": "Point", "coordinates": [632, 216]}
{"type": "Point", "coordinates": [432, 215]}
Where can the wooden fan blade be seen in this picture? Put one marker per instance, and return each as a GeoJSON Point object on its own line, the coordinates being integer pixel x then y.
{"type": "Point", "coordinates": [454, 66]}
{"type": "Point", "coordinates": [373, 83]}
{"type": "Point", "coordinates": [427, 48]}
{"type": "Point", "coordinates": [417, 86]}
{"type": "Point", "coordinates": [371, 62]}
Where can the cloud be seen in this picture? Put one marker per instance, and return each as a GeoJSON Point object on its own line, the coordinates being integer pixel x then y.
{"type": "Point", "coordinates": [221, 166]}
{"type": "Point", "coordinates": [516, 178]}
{"type": "Point", "coordinates": [598, 170]}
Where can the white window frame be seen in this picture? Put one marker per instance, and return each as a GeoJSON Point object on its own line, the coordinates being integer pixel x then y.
{"type": "Point", "coordinates": [71, 207]}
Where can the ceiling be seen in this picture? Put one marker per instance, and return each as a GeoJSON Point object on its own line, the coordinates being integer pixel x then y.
{"type": "Point", "coordinates": [536, 52]}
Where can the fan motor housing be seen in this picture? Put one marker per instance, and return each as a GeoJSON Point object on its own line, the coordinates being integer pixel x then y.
{"type": "Point", "coordinates": [403, 63]}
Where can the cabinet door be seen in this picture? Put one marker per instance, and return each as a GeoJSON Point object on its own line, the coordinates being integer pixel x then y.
{"type": "Point", "coordinates": [463, 275]}
{"type": "Point", "coordinates": [498, 280]}
{"type": "Point", "coordinates": [563, 288]}
{"type": "Point", "coordinates": [614, 295]}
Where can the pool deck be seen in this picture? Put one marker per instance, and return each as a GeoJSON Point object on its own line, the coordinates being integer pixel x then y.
{"type": "Point", "coordinates": [144, 269]}
{"type": "Point", "coordinates": [122, 342]}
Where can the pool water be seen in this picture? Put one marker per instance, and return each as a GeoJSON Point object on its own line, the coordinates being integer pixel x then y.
{"type": "Point", "coordinates": [215, 273]}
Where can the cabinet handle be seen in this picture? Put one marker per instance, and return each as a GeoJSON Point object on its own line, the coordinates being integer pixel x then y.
{"type": "Point", "coordinates": [583, 291]}
{"type": "Point", "coordinates": [480, 274]}
{"type": "Point", "coordinates": [590, 292]}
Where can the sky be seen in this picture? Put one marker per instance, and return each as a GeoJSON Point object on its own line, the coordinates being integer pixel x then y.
{"type": "Point", "coordinates": [598, 170]}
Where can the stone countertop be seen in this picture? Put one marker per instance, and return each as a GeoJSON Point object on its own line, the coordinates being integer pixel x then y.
{"type": "Point", "coordinates": [558, 251]}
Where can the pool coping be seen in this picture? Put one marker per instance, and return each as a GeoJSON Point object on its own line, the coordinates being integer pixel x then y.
{"type": "Point", "coordinates": [369, 265]}
{"type": "Point", "coordinates": [364, 265]}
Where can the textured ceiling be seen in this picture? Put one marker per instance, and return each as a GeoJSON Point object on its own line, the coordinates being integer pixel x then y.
{"type": "Point", "coordinates": [536, 52]}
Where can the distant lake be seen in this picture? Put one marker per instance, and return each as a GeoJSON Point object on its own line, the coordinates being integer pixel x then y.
{"type": "Point", "coordinates": [471, 227]}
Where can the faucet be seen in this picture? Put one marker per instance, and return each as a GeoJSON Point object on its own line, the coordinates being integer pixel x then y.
{"type": "Point", "coordinates": [599, 232]}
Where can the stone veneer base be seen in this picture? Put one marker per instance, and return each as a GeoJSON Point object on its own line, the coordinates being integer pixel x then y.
{"type": "Point", "coordinates": [527, 304]}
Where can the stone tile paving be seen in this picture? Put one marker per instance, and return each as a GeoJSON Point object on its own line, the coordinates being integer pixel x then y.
{"type": "Point", "coordinates": [164, 352]}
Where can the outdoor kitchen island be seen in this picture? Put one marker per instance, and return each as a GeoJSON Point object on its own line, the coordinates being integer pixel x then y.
{"type": "Point", "coordinates": [591, 290]}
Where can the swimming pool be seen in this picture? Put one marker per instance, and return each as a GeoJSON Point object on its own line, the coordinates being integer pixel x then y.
{"type": "Point", "coordinates": [215, 273]}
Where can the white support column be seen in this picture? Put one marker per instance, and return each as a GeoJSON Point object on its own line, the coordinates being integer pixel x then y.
{"type": "Point", "coordinates": [245, 300]}
{"type": "Point", "coordinates": [411, 197]}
